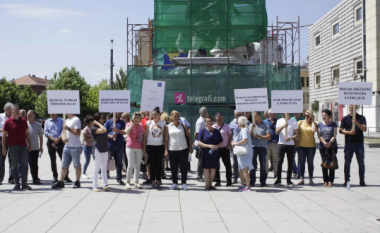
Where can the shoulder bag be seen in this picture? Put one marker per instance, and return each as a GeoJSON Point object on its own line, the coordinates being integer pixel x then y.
{"type": "Point", "coordinates": [241, 149]}
{"type": "Point", "coordinates": [329, 160]}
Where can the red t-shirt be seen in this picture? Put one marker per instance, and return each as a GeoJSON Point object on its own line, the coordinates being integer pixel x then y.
{"type": "Point", "coordinates": [16, 131]}
{"type": "Point", "coordinates": [144, 121]}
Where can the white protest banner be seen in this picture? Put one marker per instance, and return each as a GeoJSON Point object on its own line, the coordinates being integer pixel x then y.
{"type": "Point", "coordinates": [356, 93]}
{"type": "Point", "coordinates": [254, 99]}
{"type": "Point", "coordinates": [114, 101]}
{"type": "Point", "coordinates": [153, 93]}
{"type": "Point", "coordinates": [66, 102]}
{"type": "Point", "coordinates": [287, 101]}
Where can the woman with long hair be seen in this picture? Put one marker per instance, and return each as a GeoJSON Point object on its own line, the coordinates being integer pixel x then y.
{"type": "Point", "coordinates": [87, 144]}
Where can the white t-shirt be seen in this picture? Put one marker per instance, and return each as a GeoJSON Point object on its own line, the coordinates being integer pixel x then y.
{"type": "Point", "coordinates": [3, 118]}
{"type": "Point", "coordinates": [292, 125]}
{"type": "Point", "coordinates": [199, 125]}
{"type": "Point", "coordinates": [155, 133]}
{"type": "Point", "coordinates": [73, 140]}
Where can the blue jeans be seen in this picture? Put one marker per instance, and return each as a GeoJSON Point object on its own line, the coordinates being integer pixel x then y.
{"type": "Point", "coordinates": [262, 153]}
{"type": "Point", "coordinates": [296, 169]}
{"type": "Point", "coordinates": [349, 150]}
{"type": "Point", "coordinates": [87, 150]}
{"type": "Point", "coordinates": [117, 152]}
{"type": "Point", "coordinates": [306, 153]}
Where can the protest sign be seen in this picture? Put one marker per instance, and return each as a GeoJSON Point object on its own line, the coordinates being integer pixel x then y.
{"type": "Point", "coordinates": [63, 102]}
{"type": "Point", "coordinates": [254, 99]}
{"type": "Point", "coordinates": [355, 93]}
{"type": "Point", "coordinates": [153, 94]}
{"type": "Point", "coordinates": [114, 101]}
{"type": "Point", "coordinates": [287, 101]}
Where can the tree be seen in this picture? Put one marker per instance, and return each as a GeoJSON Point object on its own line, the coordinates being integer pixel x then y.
{"type": "Point", "coordinates": [67, 79]}
{"type": "Point", "coordinates": [121, 82]}
{"type": "Point", "coordinates": [93, 95]}
{"type": "Point", "coordinates": [23, 96]}
{"type": "Point", "coordinates": [41, 106]}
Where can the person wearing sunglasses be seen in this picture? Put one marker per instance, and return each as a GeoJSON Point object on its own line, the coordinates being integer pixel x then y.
{"type": "Point", "coordinates": [307, 146]}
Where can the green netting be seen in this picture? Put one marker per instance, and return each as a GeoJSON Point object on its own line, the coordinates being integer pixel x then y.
{"type": "Point", "coordinates": [212, 86]}
{"type": "Point", "coordinates": [208, 24]}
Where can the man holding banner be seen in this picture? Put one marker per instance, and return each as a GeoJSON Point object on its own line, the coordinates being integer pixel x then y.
{"type": "Point", "coordinates": [353, 129]}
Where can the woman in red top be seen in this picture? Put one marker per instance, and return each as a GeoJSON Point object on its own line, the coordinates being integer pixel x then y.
{"type": "Point", "coordinates": [135, 132]}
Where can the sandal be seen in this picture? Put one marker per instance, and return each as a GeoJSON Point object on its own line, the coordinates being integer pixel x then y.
{"type": "Point", "coordinates": [325, 184]}
{"type": "Point", "coordinates": [331, 185]}
{"type": "Point", "coordinates": [128, 186]}
{"type": "Point", "coordinates": [311, 182]}
{"type": "Point", "coordinates": [96, 190]}
{"type": "Point", "coordinates": [138, 186]}
{"type": "Point", "coordinates": [105, 188]}
{"type": "Point", "coordinates": [301, 183]}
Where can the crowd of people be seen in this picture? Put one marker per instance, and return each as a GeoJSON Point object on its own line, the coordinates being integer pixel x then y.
{"type": "Point", "coordinates": [149, 141]}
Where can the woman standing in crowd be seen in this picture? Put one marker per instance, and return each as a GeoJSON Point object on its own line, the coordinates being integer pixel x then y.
{"type": "Point", "coordinates": [135, 131]}
{"type": "Point", "coordinates": [153, 146]}
{"type": "Point", "coordinates": [126, 118]}
{"type": "Point", "coordinates": [177, 149]}
{"type": "Point", "coordinates": [87, 144]}
{"type": "Point", "coordinates": [307, 146]}
{"type": "Point", "coordinates": [100, 151]}
{"type": "Point", "coordinates": [210, 139]}
{"type": "Point", "coordinates": [245, 160]}
{"type": "Point", "coordinates": [165, 162]}
{"type": "Point", "coordinates": [327, 131]}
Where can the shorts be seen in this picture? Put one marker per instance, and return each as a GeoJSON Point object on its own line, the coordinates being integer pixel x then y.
{"type": "Point", "coordinates": [71, 154]}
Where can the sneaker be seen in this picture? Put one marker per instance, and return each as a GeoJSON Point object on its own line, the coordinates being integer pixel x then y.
{"type": "Point", "coordinates": [105, 188]}
{"type": "Point", "coordinates": [37, 182]}
{"type": "Point", "coordinates": [362, 183]}
{"type": "Point", "coordinates": [84, 176]}
{"type": "Point", "coordinates": [138, 186]}
{"type": "Point", "coordinates": [345, 184]}
{"type": "Point", "coordinates": [27, 187]}
{"type": "Point", "coordinates": [241, 188]}
{"type": "Point", "coordinates": [55, 180]}
{"type": "Point", "coordinates": [17, 187]}
{"type": "Point", "coordinates": [174, 186]}
{"type": "Point", "coordinates": [128, 186]}
{"type": "Point", "coordinates": [58, 185]}
{"type": "Point", "coordinates": [245, 189]}
{"type": "Point", "coordinates": [147, 182]}
{"type": "Point", "coordinates": [217, 184]}
{"type": "Point", "coordinates": [264, 185]}
{"type": "Point", "coordinates": [277, 183]}
{"type": "Point", "coordinates": [290, 183]}
{"type": "Point", "coordinates": [184, 187]}
{"type": "Point", "coordinates": [168, 169]}
{"type": "Point", "coordinates": [68, 180]}
{"type": "Point", "coordinates": [76, 185]}
{"type": "Point", "coordinates": [120, 182]}
{"type": "Point", "coordinates": [201, 180]}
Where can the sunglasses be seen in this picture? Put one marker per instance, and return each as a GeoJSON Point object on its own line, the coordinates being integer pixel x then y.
{"type": "Point", "coordinates": [307, 116]}
{"type": "Point", "coordinates": [137, 114]}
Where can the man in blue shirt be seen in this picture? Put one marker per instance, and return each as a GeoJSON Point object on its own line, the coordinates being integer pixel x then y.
{"type": "Point", "coordinates": [116, 147]}
{"type": "Point", "coordinates": [272, 143]}
{"type": "Point", "coordinates": [53, 131]}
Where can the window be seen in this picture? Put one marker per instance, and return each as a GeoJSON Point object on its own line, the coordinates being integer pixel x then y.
{"type": "Point", "coordinates": [305, 98]}
{"type": "Point", "coordinates": [303, 81]}
{"type": "Point", "coordinates": [317, 81]}
{"type": "Point", "coordinates": [335, 78]}
{"type": "Point", "coordinates": [359, 14]}
{"type": "Point", "coordinates": [317, 40]}
{"type": "Point", "coordinates": [335, 29]}
{"type": "Point", "coordinates": [359, 67]}
{"type": "Point", "coordinates": [307, 82]}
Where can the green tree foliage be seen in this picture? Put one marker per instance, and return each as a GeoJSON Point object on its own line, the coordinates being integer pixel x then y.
{"type": "Point", "coordinates": [121, 82]}
{"type": "Point", "coordinates": [93, 95]}
{"type": "Point", "coordinates": [23, 96]}
{"type": "Point", "coordinates": [67, 79]}
{"type": "Point", "coordinates": [315, 106]}
{"type": "Point", "coordinates": [41, 106]}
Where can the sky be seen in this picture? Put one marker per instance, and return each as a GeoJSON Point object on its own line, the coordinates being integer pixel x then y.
{"type": "Point", "coordinates": [42, 37]}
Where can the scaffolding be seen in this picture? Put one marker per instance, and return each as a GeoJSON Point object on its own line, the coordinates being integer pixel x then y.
{"type": "Point", "coordinates": [139, 43]}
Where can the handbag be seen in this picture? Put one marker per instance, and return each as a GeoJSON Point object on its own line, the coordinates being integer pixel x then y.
{"type": "Point", "coordinates": [329, 160]}
{"type": "Point", "coordinates": [198, 152]}
{"type": "Point", "coordinates": [240, 149]}
{"type": "Point", "coordinates": [111, 164]}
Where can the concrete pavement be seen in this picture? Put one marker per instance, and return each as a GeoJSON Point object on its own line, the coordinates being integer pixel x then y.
{"type": "Point", "coordinates": [284, 209]}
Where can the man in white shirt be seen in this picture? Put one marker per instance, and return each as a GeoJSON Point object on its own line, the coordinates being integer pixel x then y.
{"type": "Point", "coordinates": [3, 117]}
{"type": "Point", "coordinates": [72, 150]}
{"type": "Point", "coordinates": [286, 145]}
{"type": "Point", "coordinates": [199, 126]}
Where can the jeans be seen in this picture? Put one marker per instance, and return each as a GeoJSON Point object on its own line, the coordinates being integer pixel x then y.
{"type": "Point", "coordinates": [262, 153]}
{"type": "Point", "coordinates": [53, 158]}
{"type": "Point", "coordinates": [101, 160]}
{"type": "Point", "coordinates": [289, 151]}
{"type": "Point", "coordinates": [71, 154]}
{"type": "Point", "coordinates": [2, 164]}
{"type": "Point", "coordinates": [225, 156]}
{"type": "Point", "coordinates": [306, 154]}
{"type": "Point", "coordinates": [33, 164]}
{"type": "Point", "coordinates": [19, 154]}
{"type": "Point", "coordinates": [155, 154]}
{"type": "Point", "coordinates": [349, 150]}
{"type": "Point", "coordinates": [179, 158]}
{"type": "Point", "coordinates": [117, 152]}
{"type": "Point", "coordinates": [87, 150]}
{"type": "Point", "coordinates": [296, 169]}
{"type": "Point", "coordinates": [134, 162]}
{"type": "Point", "coordinates": [200, 163]}
{"type": "Point", "coordinates": [326, 176]}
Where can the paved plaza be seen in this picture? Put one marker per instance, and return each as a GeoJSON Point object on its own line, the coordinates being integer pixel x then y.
{"type": "Point", "coordinates": [273, 209]}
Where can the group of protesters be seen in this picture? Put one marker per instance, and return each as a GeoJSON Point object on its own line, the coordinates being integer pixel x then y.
{"type": "Point", "coordinates": [154, 142]}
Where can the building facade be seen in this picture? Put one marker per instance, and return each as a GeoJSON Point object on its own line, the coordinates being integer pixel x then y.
{"type": "Point", "coordinates": [37, 84]}
{"type": "Point", "coordinates": [304, 69]}
{"type": "Point", "coordinates": [344, 47]}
